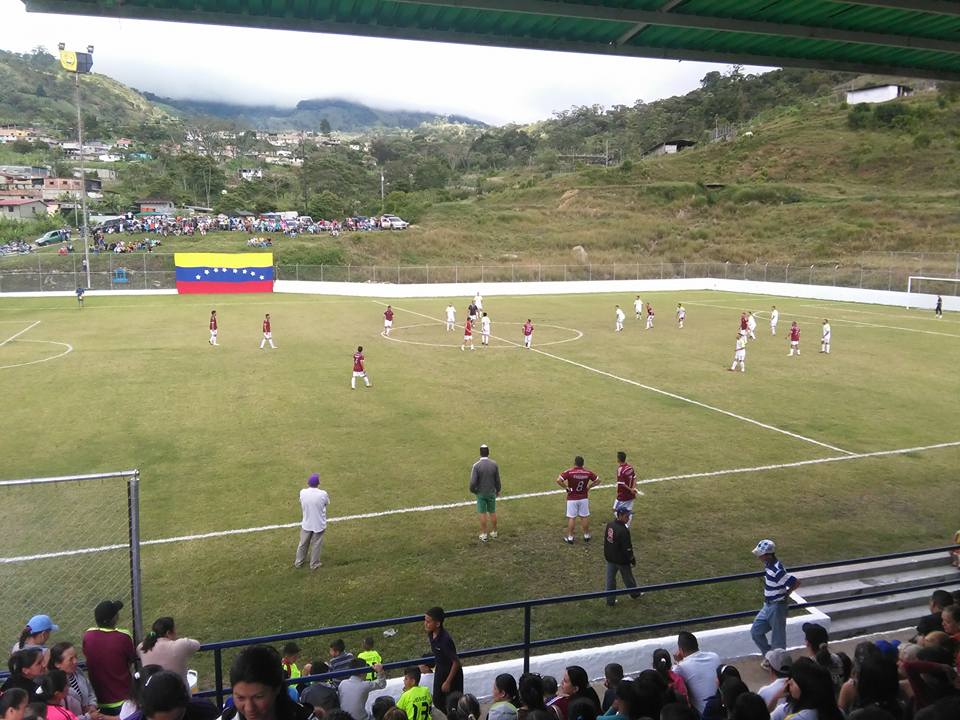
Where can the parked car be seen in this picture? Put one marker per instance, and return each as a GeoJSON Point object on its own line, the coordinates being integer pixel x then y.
{"type": "Point", "coordinates": [392, 222]}
{"type": "Point", "coordinates": [50, 237]}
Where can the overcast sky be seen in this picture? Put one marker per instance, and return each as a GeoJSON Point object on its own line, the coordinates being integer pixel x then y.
{"type": "Point", "coordinates": [274, 67]}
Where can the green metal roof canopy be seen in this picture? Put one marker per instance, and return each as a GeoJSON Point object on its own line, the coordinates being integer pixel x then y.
{"type": "Point", "coordinates": [919, 38]}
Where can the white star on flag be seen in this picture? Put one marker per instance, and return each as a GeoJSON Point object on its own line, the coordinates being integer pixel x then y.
{"type": "Point", "coordinates": [198, 277]}
{"type": "Point", "coordinates": [206, 272]}
{"type": "Point", "coordinates": [216, 270]}
{"type": "Point", "coordinates": [261, 277]}
{"type": "Point", "coordinates": [234, 271]}
{"type": "Point", "coordinates": [244, 272]}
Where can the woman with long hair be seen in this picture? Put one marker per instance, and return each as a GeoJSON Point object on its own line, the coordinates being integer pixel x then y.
{"type": "Point", "coordinates": [81, 700]}
{"type": "Point", "coordinates": [506, 698]}
{"type": "Point", "coordinates": [36, 633]}
{"type": "Point", "coordinates": [259, 693]}
{"type": "Point", "coordinates": [809, 694]}
{"type": "Point", "coordinates": [162, 647]}
{"type": "Point", "coordinates": [531, 695]}
{"type": "Point", "coordinates": [25, 667]}
{"type": "Point", "coordinates": [574, 684]}
{"type": "Point", "coordinates": [53, 692]}
{"type": "Point", "coordinates": [663, 664]}
{"type": "Point", "coordinates": [12, 704]}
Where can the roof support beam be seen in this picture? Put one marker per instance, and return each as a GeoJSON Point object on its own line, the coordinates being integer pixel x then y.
{"type": "Point", "coordinates": [66, 7]}
{"type": "Point", "coordinates": [640, 27]}
{"type": "Point", "coordinates": [551, 8]}
{"type": "Point", "coordinates": [936, 7]}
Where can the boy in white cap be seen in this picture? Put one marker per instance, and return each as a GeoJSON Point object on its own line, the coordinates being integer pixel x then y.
{"type": "Point", "coordinates": [777, 586]}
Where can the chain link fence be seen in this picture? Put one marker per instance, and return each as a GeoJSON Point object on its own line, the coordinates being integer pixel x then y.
{"type": "Point", "coordinates": [69, 543]}
{"type": "Point", "coordinates": [109, 271]}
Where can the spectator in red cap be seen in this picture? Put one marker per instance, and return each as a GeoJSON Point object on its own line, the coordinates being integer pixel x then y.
{"type": "Point", "coordinates": [110, 655]}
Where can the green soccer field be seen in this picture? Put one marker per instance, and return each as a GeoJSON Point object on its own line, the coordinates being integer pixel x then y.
{"type": "Point", "coordinates": [225, 438]}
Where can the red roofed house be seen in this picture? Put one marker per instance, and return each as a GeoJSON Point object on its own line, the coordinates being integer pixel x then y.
{"type": "Point", "coordinates": [13, 209]}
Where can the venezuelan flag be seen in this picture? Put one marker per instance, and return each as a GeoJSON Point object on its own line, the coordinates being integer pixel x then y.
{"type": "Point", "coordinates": [208, 273]}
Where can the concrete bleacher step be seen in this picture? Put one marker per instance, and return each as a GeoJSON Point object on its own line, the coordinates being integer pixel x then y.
{"type": "Point", "coordinates": [856, 615]}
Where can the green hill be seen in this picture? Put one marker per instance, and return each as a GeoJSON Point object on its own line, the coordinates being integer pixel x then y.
{"type": "Point", "coordinates": [35, 90]}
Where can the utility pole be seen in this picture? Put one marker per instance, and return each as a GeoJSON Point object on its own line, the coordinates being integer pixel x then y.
{"type": "Point", "coordinates": [382, 196]}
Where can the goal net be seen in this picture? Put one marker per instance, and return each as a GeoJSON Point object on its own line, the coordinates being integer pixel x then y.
{"type": "Point", "coordinates": [926, 288]}
{"type": "Point", "coordinates": [69, 543]}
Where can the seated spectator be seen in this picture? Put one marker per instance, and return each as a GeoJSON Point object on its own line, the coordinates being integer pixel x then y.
{"type": "Point", "coordinates": [393, 713]}
{"type": "Point", "coordinates": [505, 699]}
{"type": "Point", "coordinates": [339, 658]}
{"type": "Point", "coordinates": [165, 697]}
{"type": "Point", "coordinates": [80, 699]}
{"type": "Point", "coordinates": [550, 689]}
{"type": "Point", "coordinates": [256, 682]}
{"type": "Point", "coordinates": [36, 633]}
{"type": "Point", "coordinates": [415, 700]}
{"type": "Point", "coordinates": [531, 695]}
{"type": "Point", "coordinates": [354, 690]}
{"type": "Point", "coordinates": [53, 692]}
{"type": "Point", "coordinates": [663, 663]}
{"type": "Point", "coordinates": [25, 666]}
{"type": "Point", "coordinates": [626, 703]}
{"type": "Point", "coordinates": [678, 711]}
{"type": "Point", "coordinates": [162, 647]}
{"type": "Point", "coordinates": [582, 708]}
{"type": "Point", "coordinates": [322, 694]}
{"type": "Point", "coordinates": [946, 709]}
{"type": "Point", "coordinates": [13, 703]}
{"type": "Point", "coordinates": [612, 675]}
{"type": "Point", "coordinates": [817, 640]}
{"type": "Point", "coordinates": [809, 694]}
{"type": "Point", "coordinates": [933, 622]}
{"type": "Point", "coordinates": [777, 662]}
{"type": "Point", "coordinates": [110, 656]}
{"type": "Point", "coordinates": [652, 693]}
{"type": "Point", "coordinates": [575, 684]}
{"type": "Point", "coordinates": [878, 685]}
{"type": "Point", "coordinates": [950, 618]}
{"type": "Point", "coordinates": [130, 709]}
{"type": "Point", "coordinates": [369, 655]}
{"type": "Point", "coordinates": [714, 708]}
{"type": "Point", "coordinates": [381, 705]}
{"type": "Point", "coordinates": [749, 706]}
{"type": "Point", "coordinates": [932, 676]}
{"type": "Point", "coordinates": [466, 707]}
{"type": "Point", "coordinates": [698, 668]}
{"type": "Point", "coordinates": [291, 671]}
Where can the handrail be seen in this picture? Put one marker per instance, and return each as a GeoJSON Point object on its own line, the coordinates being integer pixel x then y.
{"type": "Point", "coordinates": [528, 644]}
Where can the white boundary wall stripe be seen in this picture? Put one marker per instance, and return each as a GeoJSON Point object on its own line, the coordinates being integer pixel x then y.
{"type": "Point", "coordinates": [471, 503]}
{"type": "Point", "coordinates": [650, 388]}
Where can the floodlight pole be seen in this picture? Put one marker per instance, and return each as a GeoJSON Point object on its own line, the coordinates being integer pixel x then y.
{"type": "Point", "coordinates": [83, 183]}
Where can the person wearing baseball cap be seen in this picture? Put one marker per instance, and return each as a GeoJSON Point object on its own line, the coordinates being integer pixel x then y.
{"type": "Point", "coordinates": [618, 552]}
{"type": "Point", "coordinates": [313, 503]}
{"type": "Point", "coordinates": [36, 633]}
{"type": "Point", "coordinates": [777, 662]}
{"type": "Point", "coordinates": [777, 586]}
{"type": "Point", "coordinates": [110, 655]}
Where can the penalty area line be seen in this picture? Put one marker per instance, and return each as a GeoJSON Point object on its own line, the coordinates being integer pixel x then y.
{"type": "Point", "coordinates": [472, 503]}
{"type": "Point", "coordinates": [659, 391]}
{"type": "Point", "coordinates": [16, 335]}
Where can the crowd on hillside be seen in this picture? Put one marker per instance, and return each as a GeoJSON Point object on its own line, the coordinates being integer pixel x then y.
{"type": "Point", "coordinates": [169, 225]}
{"type": "Point", "coordinates": [884, 680]}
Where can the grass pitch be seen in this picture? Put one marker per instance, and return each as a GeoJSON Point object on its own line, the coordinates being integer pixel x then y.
{"type": "Point", "coordinates": [225, 438]}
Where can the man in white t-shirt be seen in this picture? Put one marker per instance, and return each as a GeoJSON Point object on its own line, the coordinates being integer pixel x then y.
{"type": "Point", "coordinates": [484, 331]}
{"type": "Point", "coordinates": [638, 307]}
{"type": "Point", "coordinates": [774, 319]}
{"type": "Point", "coordinates": [451, 317]}
{"type": "Point", "coordinates": [697, 667]}
{"type": "Point", "coordinates": [825, 338]}
{"type": "Point", "coordinates": [478, 301]}
{"type": "Point", "coordinates": [752, 326]}
{"type": "Point", "coordinates": [313, 502]}
{"type": "Point", "coordinates": [777, 662]}
{"type": "Point", "coordinates": [620, 318]}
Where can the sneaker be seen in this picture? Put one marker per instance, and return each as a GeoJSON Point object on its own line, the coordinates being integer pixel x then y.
{"type": "Point", "coordinates": [586, 538]}
{"type": "Point", "coordinates": [637, 596]}
{"type": "Point", "coordinates": [494, 535]}
{"type": "Point", "coordinates": [568, 540]}
{"type": "Point", "coordinates": [461, 348]}
{"type": "Point", "coordinates": [483, 537]}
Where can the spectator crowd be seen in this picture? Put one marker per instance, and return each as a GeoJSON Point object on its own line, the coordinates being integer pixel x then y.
{"type": "Point", "coordinates": [884, 680]}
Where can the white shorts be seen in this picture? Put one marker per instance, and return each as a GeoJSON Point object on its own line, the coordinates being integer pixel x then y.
{"type": "Point", "coordinates": [527, 339]}
{"type": "Point", "coordinates": [794, 343]}
{"type": "Point", "coordinates": [468, 338]}
{"type": "Point", "coordinates": [388, 323]}
{"type": "Point", "coordinates": [578, 508]}
{"type": "Point", "coordinates": [213, 333]}
{"type": "Point", "coordinates": [826, 338]}
{"type": "Point", "coordinates": [628, 504]}
{"type": "Point", "coordinates": [268, 335]}
{"type": "Point", "coordinates": [486, 336]}
{"type": "Point", "coordinates": [740, 356]}
{"type": "Point", "coordinates": [473, 318]}
{"type": "Point", "coordinates": [359, 374]}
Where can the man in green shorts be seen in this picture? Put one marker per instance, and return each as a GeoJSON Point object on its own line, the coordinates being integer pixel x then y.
{"type": "Point", "coordinates": [485, 484]}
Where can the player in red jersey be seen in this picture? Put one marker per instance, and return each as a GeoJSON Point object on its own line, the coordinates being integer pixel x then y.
{"type": "Point", "coordinates": [794, 339]}
{"type": "Point", "coordinates": [577, 481]}
{"type": "Point", "coordinates": [649, 317]}
{"type": "Point", "coordinates": [213, 327]}
{"type": "Point", "coordinates": [267, 335]}
{"type": "Point", "coordinates": [387, 321]}
{"type": "Point", "coordinates": [527, 334]}
{"type": "Point", "coordinates": [744, 324]}
{"type": "Point", "coordinates": [358, 370]}
{"type": "Point", "coordinates": [467, 334]}
{"type": "Point", "coordinates": [626, 484]}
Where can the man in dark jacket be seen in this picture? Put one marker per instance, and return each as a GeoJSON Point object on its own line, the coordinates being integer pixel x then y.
{"type": "Point", "coordinates": [618, 552]}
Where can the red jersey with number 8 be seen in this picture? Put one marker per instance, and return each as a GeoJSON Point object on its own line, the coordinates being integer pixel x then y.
{"type": "Point", "coordinates": [578, 482]}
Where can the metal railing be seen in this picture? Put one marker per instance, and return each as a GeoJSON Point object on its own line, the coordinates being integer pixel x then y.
{"type": "Point", "coordinates": [143, 270]}
{"type": "Point", "coordinates": [528, 643]}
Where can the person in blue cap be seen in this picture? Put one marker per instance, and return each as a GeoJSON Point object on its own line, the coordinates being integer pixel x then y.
{"type": "Point", "coordinates": [313, 502]}
{"type": "Point", "coordinates": [36, 633]}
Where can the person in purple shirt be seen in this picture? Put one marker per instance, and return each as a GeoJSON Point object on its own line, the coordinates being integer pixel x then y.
{"type": "Point", "coordinates": [110, 655]}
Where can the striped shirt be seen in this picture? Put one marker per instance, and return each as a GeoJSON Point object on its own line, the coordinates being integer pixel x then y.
{"type": "Point", "coordinates": [776, 582]}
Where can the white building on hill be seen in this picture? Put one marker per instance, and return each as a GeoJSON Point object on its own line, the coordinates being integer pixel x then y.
{"type": "Point", "coordinates": [877, 94]}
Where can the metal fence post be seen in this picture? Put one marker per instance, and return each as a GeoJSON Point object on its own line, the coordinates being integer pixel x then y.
{"type": "Point", "coordinates": [297, 276]}
{"type": "Point", "coordinates": [321, 272]}
{"type": "Point", "coordinates": [398, 273]}
{"type": "Point", "coordinates": [564, 272]}
{"type": "Point", "coordinates": [765, 271]}
{"type": "Point", "coordinates": [526, 638]}
{"type": "Point", "coordinates": [539, 272]}
{"type": "Point", "coordinates": [745, 271]}
{"type": "Point", "coordinates": [39, 274]}
{"type": "Point", "coordinates": [861, 277]}
{"type": "Point", "coordinates": [890, 281]}
{"type": "Point", "coordinates": [481, 272]}
{"type": "Point", "coordinates": [589, 271]}
{"type": "Point", "coordinates": [218, 675]}
{"type": "Point", "coordinates": [348, 273]}
{"type": "Point", "coordinates": [684, 269]}
{"type": "Point", "coordinates": [661, 269]}
{"type": "Point", "coordinates": [513, 273]}
{"type": "Point", "coordinates": [638, 271]}
{"type": "Point", "coordinates": [786, 277]}
{"type": "Point", "coordinates": [133, 505]}
{"type": "Point", "coordinates": [456, 273]}
{"type": "Point", "coordinates": [428, 273]}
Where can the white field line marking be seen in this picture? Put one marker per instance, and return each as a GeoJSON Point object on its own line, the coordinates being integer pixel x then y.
{"type": "Point", "coordinates": [659, 391]}
{"type": "Point", "coordinates": [68, 346]}
{"type": "Point", "coordinates": [16, 335]}
{"type": "Point", "coordinates": [471, 503]}
{"type": "Point", "coordinates": [837, 319]}
{"type": "Point", "coordinates": [577, 336]}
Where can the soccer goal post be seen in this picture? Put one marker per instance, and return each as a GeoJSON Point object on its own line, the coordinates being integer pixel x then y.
{"type": "Point", "coordinates": [918, 285]}
{"type": "Point", "coordinates": [70, 542]}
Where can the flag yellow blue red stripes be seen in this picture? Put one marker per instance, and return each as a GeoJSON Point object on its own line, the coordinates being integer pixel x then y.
{"type": "Point", "coordinates": [224, 272]}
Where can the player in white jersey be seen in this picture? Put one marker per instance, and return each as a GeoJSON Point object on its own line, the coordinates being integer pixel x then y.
{"type": "Point", "coordinates": [681, 315]}
{"type": "Point", "coordinates": [478, 301]}
{"type": "Point", "coordinates": [774, 319]}
{"type": "Point", "coordinates": [740, 354]}
{"type": "Point", "coordinates": [451, 317]}
{"type": "Point", "coordinates": [825, 337]}
{"type": "Point", "coordinates": [620, 318]}
{"type": "Point", "coordinates": [751, 326]}
{"type": "Point", "coordinates": [638, 307]}
{"type": "Point", "coordinates": [484, 330]}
